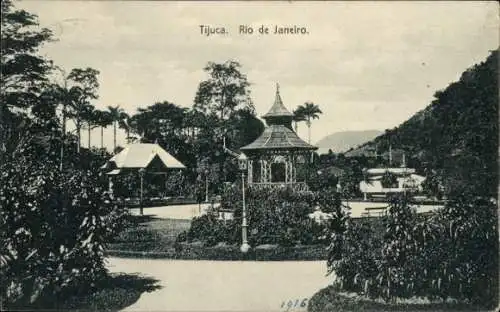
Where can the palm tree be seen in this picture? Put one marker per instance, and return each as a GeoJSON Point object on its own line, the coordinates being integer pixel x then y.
{"type": "Point", "coordinates": [298, 117]}
{"type": "Point", "coordinates": [78, 112]}
{"type": "Point", "coordinates": [63, 93]}
{"type": "Point", "coordinates": [124, 123]}
{"type": "Point", "coordinates": [117, 114]}
{"type": "Point", "coordinates": [89, 116]}
{"type": "Point", "coordinates": [103, 119]}
{"type": "Point", "coordinates": [84, 89]}
{"type": "Point", "coordinates": [310, 111]}
{"type": "Point", "coordinates": [140, 123]}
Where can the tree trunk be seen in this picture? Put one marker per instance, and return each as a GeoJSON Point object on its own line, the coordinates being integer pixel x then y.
{"type": "Point", "coordinates": [89, 136]}
{"type": "Point", "coordinates": [3, 131]}
{"type": "Point", "coordinates": [102, 137]}
{"type": "Point", "coordinates": [63, 137]}
{"type": "Point", "coordinates": [78, 133]}
{"type": "Point", "coordinates": [309, 130]}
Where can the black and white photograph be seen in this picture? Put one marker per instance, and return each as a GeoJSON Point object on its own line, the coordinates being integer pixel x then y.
{"type": "Point", "coordinates": [267, 156]}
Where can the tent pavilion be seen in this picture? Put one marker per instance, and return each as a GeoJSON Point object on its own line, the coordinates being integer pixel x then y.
{"type": "Point", "coordinates": [274, 156]}
{"type": "Point", "coordinates": [144, 158]}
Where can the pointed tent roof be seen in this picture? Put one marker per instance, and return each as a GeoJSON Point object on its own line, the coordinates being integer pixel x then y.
{"type": "Point", "coordinates": [278, 109]}
{"type": "Point", "coordinates": [278, 137]}
{"type": "Point", "coordinates": [278, 134]}
{"type": "Point", "coordinates": [141, 155]}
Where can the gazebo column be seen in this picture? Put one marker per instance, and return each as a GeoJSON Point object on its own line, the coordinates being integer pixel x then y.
{"type": "Point", "coordinates": [289, 169]}
{"type": "Point", "coordinates": [269, 171]}
{"type": "Point", "coordinates": [286, 171]}
{"type": "Point", "coordinates": [250, 171]}
{"type": "Point", "coordinates": [263, 174]}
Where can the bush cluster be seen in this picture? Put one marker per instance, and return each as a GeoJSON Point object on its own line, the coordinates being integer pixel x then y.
{"type": "Point", "coordinates": [452, 253]}
{"type": "Point", "coordinates": [54, 225]}
{"type": "Point", "coordinates": [274, 216]}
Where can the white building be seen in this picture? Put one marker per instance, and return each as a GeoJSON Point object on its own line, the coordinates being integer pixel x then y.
{"type": "Point", "coordinates": [406, 180]}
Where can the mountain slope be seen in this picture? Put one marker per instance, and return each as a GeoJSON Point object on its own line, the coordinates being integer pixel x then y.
{"type": "Point", "coordinates": [340, 142]}
{"type": "Point", "coordinates": [457, 134]}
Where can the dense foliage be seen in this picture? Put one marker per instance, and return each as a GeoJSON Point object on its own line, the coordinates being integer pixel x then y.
{"type": "Point", "coordinates": [222, 111]}
{"type": "Point", "coordinates": [452, 253]}
{"type": "Point", "coordinates": [275, 216]}
{"type": "Point", "coordinates": [55, 224]}
{"type": "Point", "coordinates": [457, 134]}
{"type": "Point", "coordinates": [55, 216]}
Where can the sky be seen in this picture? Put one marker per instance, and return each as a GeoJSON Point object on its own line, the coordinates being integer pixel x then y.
{"type": "Point", "coordinates": [367, 65]}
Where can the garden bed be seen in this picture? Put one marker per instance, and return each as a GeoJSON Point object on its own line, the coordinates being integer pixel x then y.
{"type": "Point", "coordinates": [147, 233]}
{"type": "Point", "coordinates": [330, 299]}
{"type": "Point", "coordinates": [185, 251]}
{"type": "Point", "coordinates": [150, 237]}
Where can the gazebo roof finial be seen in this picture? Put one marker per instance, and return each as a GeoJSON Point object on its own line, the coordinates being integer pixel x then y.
{"type": "Point", "coordinates": [278, 109]}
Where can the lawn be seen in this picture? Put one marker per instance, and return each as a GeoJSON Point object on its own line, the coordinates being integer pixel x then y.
{"type": "Point", "coordinates": [330, 299]}
{"type": "Point", "coordinates": [151, 234]}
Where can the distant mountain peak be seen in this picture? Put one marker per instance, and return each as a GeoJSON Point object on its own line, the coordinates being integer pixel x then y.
{"type": "Point", "coordinates": [342, 141]}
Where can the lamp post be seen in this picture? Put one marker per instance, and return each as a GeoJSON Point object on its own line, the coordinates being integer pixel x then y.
{"type": "Point", "coordinates": [141, 175]}
{"type": "Point", "coordinates": [242, 163]}
{"type": "Point", "coordinates": [320, 179]}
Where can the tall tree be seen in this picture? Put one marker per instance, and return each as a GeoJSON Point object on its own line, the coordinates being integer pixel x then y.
{"type": "Point", "coordinates": [309, 111]}
{"type": "Point", "coordinates": [23, 71]}
{"type": "Point", "coordinates": [140, 122]}
{"type": "Point", "coordinates": [90, 117]}
{"type": "Point", "coordinates": [298, 117]}
{"type": "Point", "coordinates": [225, 91]}
{"type": "Point", "coordinates": [117, 115]}
{"type": "Point", "coordinates": [103, 119]}
{"type": "Point", "coordinates": [84, 89]}
{"type": "Point", "coordinates": [124, 123]}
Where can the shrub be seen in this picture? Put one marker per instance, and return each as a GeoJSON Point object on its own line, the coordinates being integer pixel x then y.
{"type": "Point", "coordinates": [452, 253]}
{"type": "Point", "coordinates": [210, 230]}
{"type": "Point", "coordinates": [354, 255]}
{"type": "Point", "coordinates": [396, 273]}
{"type": "Point", "coordinates": [275, 216]}
{"type": "Point", "coordinates": [461, 244]}
{"type": "Point", "coordinates": [55, 224]}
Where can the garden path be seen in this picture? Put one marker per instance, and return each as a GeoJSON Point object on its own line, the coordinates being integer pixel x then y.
{"type": "Point", "coordinates": [225, 285]}
{"type": "Point", "coordinates": [182, 212]}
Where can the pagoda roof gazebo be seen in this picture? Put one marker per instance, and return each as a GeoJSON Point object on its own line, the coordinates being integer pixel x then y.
{"type": "Point", "coordinates": [274, 156]}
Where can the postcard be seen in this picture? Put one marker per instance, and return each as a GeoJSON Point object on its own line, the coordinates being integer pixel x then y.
{"type": "Point", "coordinates": [280, 156]}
